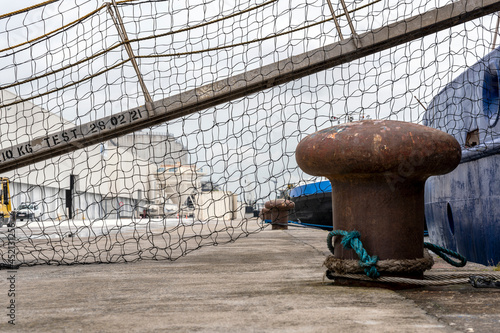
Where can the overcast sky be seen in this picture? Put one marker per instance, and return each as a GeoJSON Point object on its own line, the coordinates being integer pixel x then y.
{"type": "Point", "coordinates": [12, 6]}
{"type": "Point", "coordinates": [250, 140]}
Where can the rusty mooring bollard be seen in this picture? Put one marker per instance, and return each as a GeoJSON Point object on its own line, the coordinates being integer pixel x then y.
{"type": "Point", "coordinates": [279, 212]}
{"type": "Point", "coordinates": [378, 170]}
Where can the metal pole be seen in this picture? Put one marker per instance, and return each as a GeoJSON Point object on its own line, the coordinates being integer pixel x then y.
{"type": "Point", "coordinates": [123, 35]}
{"type": "Point", "coordinates": [496, 32]}
{"type": "Point", "coordinates": [420, 103]}
{"type": "Point", "coordinates": [347, 16]}
{"type": "Point", "coordinates": [335, 19]}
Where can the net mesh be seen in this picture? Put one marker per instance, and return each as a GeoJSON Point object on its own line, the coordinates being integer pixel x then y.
{"type": "Point", "coordinates": [168, 189]}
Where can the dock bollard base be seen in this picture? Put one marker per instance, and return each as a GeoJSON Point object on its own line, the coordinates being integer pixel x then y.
{"type": "Point", "coordinates": [277, 210]}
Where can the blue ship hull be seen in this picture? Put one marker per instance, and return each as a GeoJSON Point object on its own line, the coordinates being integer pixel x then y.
{"type": "Point", "coordinates": [313, 205]}
{"type": "Point", "coordinates": [462, 208]}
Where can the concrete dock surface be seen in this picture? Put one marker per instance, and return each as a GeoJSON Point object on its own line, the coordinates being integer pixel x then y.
{"type": "Point", "coordinates": [271, 281]}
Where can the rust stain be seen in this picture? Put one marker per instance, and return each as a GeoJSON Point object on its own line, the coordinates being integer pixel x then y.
{"type": "Point", "coordinates": [411, 136]}
{"type": "Point", "coordinates": [377, 142]}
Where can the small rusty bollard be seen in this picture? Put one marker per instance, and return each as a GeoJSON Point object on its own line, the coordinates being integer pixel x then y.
{"type": "Point", "coordinates": [378, 170]}
{"type": "Point", "coordinates": [265, 214]}
{"type": "Point", "coordinates": [279, 213]}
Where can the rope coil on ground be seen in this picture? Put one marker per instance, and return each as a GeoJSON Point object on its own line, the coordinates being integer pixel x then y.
{"type": "Point", "coordinates": [345, 266]}
{"type": "Point", "coordinates": [371, 266]}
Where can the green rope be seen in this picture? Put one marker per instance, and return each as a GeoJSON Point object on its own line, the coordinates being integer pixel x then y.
{"type": "Point", "coordinates": [444, 253]}
{"type": "Point", "coordinates": [350, 240]}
